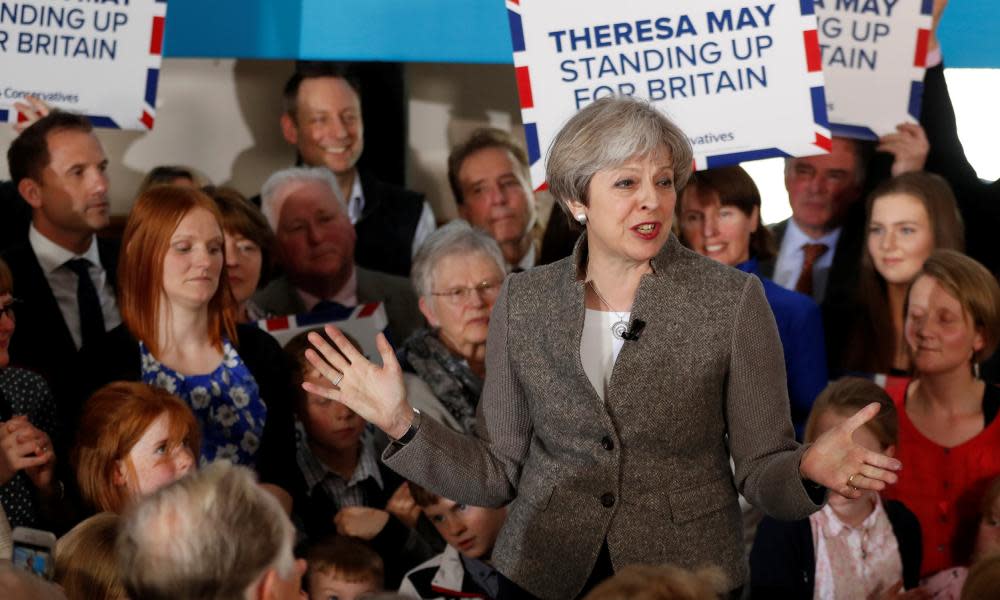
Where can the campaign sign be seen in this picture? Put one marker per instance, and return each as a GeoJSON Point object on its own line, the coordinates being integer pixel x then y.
{"type": "Point", "coordinates": [361, 323]}
{"type": "Point", "coordinates": [874, 54]}
{"type": "Point", "coordinates": [100, 58]}
{"type": "Point", "coordinates": [741, 77]}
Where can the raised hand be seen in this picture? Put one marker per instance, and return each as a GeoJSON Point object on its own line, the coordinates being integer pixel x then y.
{"type": "Point", "coordinates": [836, 462]}
{"type": "Point", "coordinates": [34, 109]}
{"type": "Point", "coordinates": [908, 146]}
{"type": "Point", "coordinates": [378, 394]}
{"type": "Point", "coordinates": [23, 446]}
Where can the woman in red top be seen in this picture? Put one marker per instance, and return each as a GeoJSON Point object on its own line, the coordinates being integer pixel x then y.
{"type": "Point", "coordinates": [948, 431]}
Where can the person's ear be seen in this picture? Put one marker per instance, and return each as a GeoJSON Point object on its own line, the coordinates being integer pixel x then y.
{"type": "Point", "coordinates": [463, 212]}
{"type": "Point", "coordinates": [267, 585]}
{"type": "Point", "coordinates": [755, 219]}
{"type": "Point", "coordinates": [120, 475]}
{"type": "Point", "coordinates": [890, 450]}
{"type": "Point", "coordinates": [289, 130]}
{"type": "Point", "coordinates": [978, 342]}
{"type": "Point", "coordinates": [31, 191]}
{"type": "Point", "coordinates": [428, 312]}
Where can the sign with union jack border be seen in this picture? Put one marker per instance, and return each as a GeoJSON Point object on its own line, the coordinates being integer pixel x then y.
{"type": "Point", "coordinates": [874, 55]}
{"type": "Point", "coordinates": [362, 323]}
{"type": "Point", "coordinates": [99, 58]}
{"type": "Point", "coordinates": [742, 79]}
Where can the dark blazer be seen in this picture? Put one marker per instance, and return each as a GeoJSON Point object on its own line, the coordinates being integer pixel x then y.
{"type": "Point", "coordinates": [386, 227]}
{"type": "Point", "coordinates": [42, 341]}
{"type": "Point", "coordinates": [783, 559]}
{"type": "Point", "coordinates": [117, 358]}
{"type": "Point", "coordinates": [280, 298]}
{"type": "Point", "coordinates": [15, 217]}
{"type": "Point", "coordinates": [647, 471]}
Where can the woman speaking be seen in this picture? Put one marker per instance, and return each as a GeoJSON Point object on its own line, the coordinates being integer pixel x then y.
{"type": "Point", "coordinates": [619, 382]}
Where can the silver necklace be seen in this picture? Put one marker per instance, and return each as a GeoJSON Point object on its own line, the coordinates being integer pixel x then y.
{"type": "Point", "coordinates": [619, 327]}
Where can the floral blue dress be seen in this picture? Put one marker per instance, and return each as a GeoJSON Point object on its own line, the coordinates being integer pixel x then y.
{"type": "Point", "coordinates": [226, 403]}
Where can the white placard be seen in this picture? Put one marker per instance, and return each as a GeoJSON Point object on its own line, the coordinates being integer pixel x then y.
{"type": "Point", "coordinates": [361, 323]}
{"type": "Point", "coordinates": [741, 78]}
{"type": "Point", "coordinates": [100, 58]}
{"type": "Point", "coordinates": [874, 55]}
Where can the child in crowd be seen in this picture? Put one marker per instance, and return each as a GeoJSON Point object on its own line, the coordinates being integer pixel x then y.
{"type": "Point", "coordinates": [858, 548]}
{"type": "Point", "coordinates": [342, 568]}
{"type": "Point", "coordinates": [347, 488]}
{"type": "Point", "coordinates": [132, 440]}
{"type": "Point", "coordinates": [463, 570]}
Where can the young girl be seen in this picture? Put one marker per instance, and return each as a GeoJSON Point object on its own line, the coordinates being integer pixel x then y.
{"type": "Point", "coordinates": [133, 439]}
{"type": "Point", "coordinates": [861, 548]}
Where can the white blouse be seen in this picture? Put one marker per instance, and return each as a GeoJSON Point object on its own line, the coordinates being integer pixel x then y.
{"type": "Point", "coordinates": [599, 347]}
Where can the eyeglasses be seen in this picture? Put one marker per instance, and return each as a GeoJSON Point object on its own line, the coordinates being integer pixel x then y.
{"type": "Point", "coordinates": [8, 309]}
{"type": "Point", "coordinates": [487, 290]}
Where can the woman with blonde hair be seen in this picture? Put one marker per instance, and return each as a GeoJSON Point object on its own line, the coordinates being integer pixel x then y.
{"type": "Point", "coordinates": [948, 430]}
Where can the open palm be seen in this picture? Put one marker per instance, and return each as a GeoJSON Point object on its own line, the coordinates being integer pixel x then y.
{"type": "Point", "coordinates": [377, 394]}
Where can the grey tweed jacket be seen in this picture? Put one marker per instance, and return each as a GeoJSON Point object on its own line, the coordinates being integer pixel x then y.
{"type": "Point", "coordinates": [648, 470]}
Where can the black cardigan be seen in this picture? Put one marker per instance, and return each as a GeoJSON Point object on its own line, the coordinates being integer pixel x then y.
{"type": "Point", "coordinates": [783, 560]}
{"type": "Point", "coordinates": [116, 357]}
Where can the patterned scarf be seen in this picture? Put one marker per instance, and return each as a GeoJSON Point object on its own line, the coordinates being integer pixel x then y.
{"type": "Point", "coordinates": [449, 376]}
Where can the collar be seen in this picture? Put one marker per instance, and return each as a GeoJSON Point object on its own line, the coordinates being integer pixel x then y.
{"type": "Point", "coordinates": [835, 527]}
{"type": "Point", "coordinates": [528, 260]}
{"type": "Point", "coordinates": [356, 201]}
{"type": "Point", "coordinates": [795, 238]}
{"type": "Point", "coordinates": [51, 256]}
{"type": "Point", "coordinates": [749, 266]}
{"type": "Point", "coordinates": [671, 248]}
{"type": "Point", "coordinates": [316, 472]}
{"type": "Point", "coordinates": [346, 295]}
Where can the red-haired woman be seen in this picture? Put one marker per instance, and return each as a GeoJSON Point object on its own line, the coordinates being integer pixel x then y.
{"type": "Point", "coordinates": [179, 333]}
{"type": "Point", "coordinates": [133, 440]}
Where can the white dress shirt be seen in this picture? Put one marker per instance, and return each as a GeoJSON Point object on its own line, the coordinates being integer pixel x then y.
{"type": "Point", "coordinates": [52, 258]}
{"type": "Point", "coordinates": [528, 260]}
{"type": "Point", "coordinates": [599, 347]}
{"type": "Point", "coordinates": [788, 266]}
{"type": "Point", "coordinates": [347, 295]}
{"type": "Point", "coordinates": [425, 226]}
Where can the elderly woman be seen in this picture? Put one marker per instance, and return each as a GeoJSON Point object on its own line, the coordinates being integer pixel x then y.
{"type": "Point", "coordinates": [457, 272]}
{"type": "Point", "coordinates": [249, 242]}
{"type": "Point", "coordinates": [619, 381]}
{"type": "Point", "coordinates": [719, 216]}
{"type": "Point", "coordinates": [29, 491]}
{"type": "Point", "coordinates": [948, 427]}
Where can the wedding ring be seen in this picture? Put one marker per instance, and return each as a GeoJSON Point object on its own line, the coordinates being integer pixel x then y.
{"type": "Point", "coordinates": [339, 379]}
{"type": "Point", "coordinates": [850, 481]}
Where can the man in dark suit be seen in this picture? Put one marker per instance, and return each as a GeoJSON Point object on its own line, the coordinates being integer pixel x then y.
{"type": "Point", "coordinates": [314, 242]}
{"type": "Point", "coordinates": [323, 120]}
{"type": "Point", "coordinates": [63, 274]}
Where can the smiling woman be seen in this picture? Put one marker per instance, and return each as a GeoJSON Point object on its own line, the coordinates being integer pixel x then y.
{"type": "Point", "coordinates": [909, 216]}
{"type": "Point", "coordinates": [179, 334]}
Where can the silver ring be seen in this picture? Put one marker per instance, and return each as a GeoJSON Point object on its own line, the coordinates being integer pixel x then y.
{"type": "Point", "coordinates": [850, 481]}
{"type": "Point", "coordinates": [339, 379]}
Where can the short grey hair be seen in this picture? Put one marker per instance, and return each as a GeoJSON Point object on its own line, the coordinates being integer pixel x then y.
{"type": "Point", "coordinates": [604, 135]}
{"type": "Point", "coordinates": [208, 536]}
{"type": "Point", "coordinates": [457, 237]}
{"type": "Point", "coordinates": [272, 193]}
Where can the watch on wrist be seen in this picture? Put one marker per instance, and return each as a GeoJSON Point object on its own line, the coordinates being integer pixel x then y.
{"type": "Point", "coordinates": [412, 430]}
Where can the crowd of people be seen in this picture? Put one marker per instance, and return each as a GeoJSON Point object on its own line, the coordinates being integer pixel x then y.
{"type": "Point", "coordinates": [576, 409]}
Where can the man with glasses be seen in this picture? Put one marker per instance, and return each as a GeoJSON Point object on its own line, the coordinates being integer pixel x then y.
{"type": "Point", "coordinates": [314, 244]}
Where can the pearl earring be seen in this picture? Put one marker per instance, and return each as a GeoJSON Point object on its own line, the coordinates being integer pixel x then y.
{"type": "Point", "coordinates": [581, 219]}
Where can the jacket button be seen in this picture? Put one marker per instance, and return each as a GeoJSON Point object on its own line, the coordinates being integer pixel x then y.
{"type": "Point", "coordinates": [608, 500]}
{"type": "Point", "coordinates": [607, 443]}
